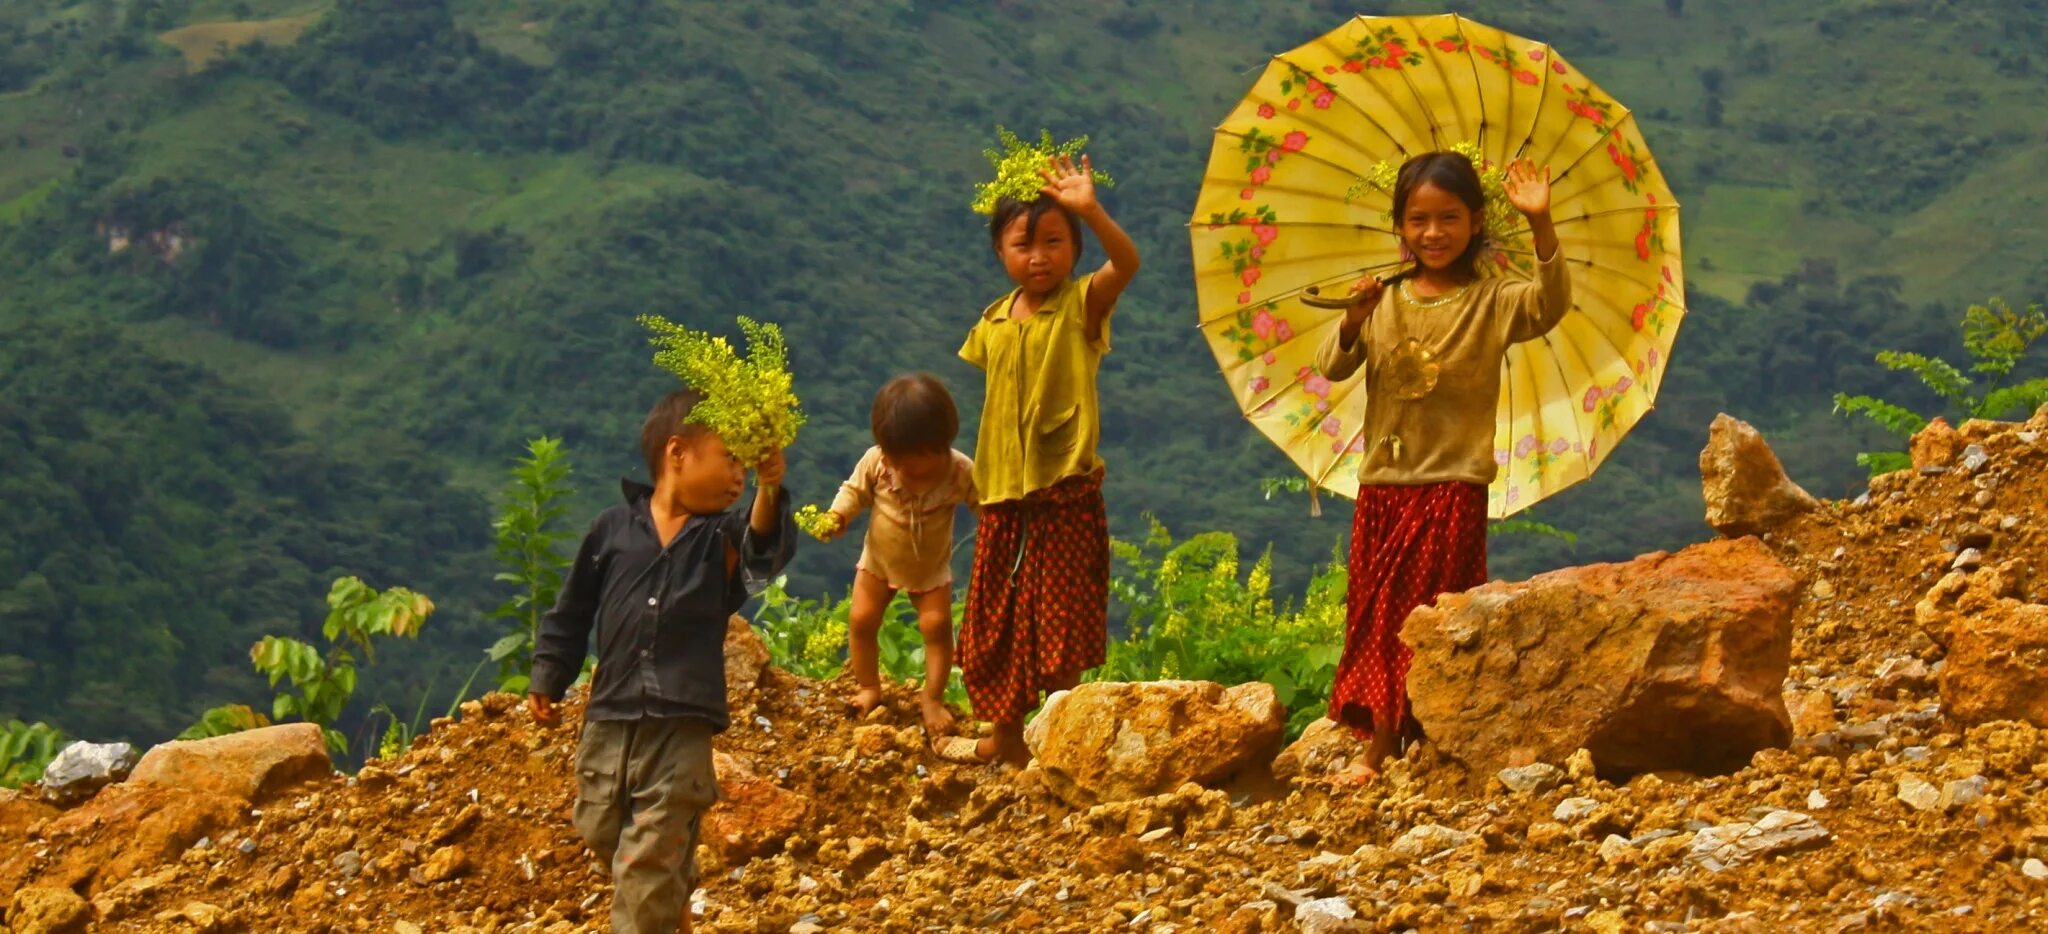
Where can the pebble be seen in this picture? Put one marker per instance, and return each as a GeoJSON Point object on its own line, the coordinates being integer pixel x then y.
{"type": "Point", "coordinates": [349, 864]}
{"type": "Point", "coordinates": [1615, 848]}
{"type": "Point", "coordinates": [1918, 793]}
{"type": "Point", "coordinates": [1962, 793]}
{"type": "Point", "coordinates": [1816, 801]}
{"type": "Point", "coordinates": [1969, 559]}
{"type": "Point", "coordinates": [1429, 840]}
{"type": "Point", "coordinates": [1532, 779]}
{"type": "Point", "coordinates": [1324, 915]}
{"type": "Point", "coordinates": [247, 846]}
{"type": "Point", "coordinates": [2035, 870]}
{"type": "Point", "coordinates": [405, 927]}
{"type": "Point", "coordinates": [2008, 523]}
{"type": "Point", "coordinates": [1974, 458]}
{"type": "Point", "coordinates": [1822, 590]}
{"type": "Point", "coordinates": [1573, 810]}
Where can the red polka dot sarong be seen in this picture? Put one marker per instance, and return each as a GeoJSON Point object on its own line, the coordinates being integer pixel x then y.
{"type": "Point", "coordinates": [1038, 601]}
{"type": "Point", "coordinates": [1408, 545]}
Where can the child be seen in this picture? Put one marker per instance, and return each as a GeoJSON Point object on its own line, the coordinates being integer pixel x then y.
{"type": "Point", "coordinates": [1432, 368]}
{"type": "Point", "coordinates": [658, 576]}
{"type": "Point", "coordinates": [1038, 600]}
{"type": "Point", "coordinates": [913, 479]}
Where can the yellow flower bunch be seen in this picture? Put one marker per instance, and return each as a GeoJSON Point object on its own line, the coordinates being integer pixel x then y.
{"type": "Point", "coordinates": [747, 401]}
{"type": "Point", "coordinates": [817, 523]}
{"type": "Point", "coordinates": [1018, 165]}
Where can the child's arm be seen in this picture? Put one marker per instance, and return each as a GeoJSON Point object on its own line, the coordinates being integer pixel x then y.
{"type": "Point", "coordinates": [1343, 352]}
{"type": "Point", "coordinates": [858, 492]}
{"type": "Point", "coordinates": [1074, 188]}
{"type": "Point", "coordinates": [564, 635]}
{"type": "Point", "coordinates": [765, 544]}
{"type": "Point", "coordinates": [1532, 309]}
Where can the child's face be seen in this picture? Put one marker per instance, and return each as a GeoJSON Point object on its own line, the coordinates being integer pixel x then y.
{"type": "Point", "coordinates": [1038, 261]}
{"type": "Point", "coordinates": [1437, 226]}
{"type": "Point", "coordinates": [705, 474]}
{"type": "Point", "coordinates": [921, 471]}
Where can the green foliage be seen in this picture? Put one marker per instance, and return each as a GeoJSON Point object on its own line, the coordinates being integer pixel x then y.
{"type": "Point", "coordinates": [225, 719]}
{"type": "Point", "coordinates": [531, 509]}
{"type": "Point", "coordinates": [1018, 167]}
{"type": "Point", "coordinates": [805, 637]}
{"type": "Point", "coordinates": [808, 637]}
{"type": "Point", "coordinates": [25, 749]}
{"type": "Point", "coordinates": [1192, 617]}
{"type": "Point", "coordinates": [1997, 338]}
{"type": "Point", "coordinates": [747, 401]}
{"type": "Point", "coordinates": [357, 617]}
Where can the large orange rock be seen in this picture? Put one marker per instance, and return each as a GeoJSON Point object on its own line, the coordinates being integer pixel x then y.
{"type": "Point", "coordinates": [1746, 490]}
{"type": "Point", "coordinates": [746, 657]}
{"type": "Point", "coordinates": [1997, 667]}
{"type": "Point", "coordinates": [48, 910]}
{"type": "Point", "coordinates": [1111, 741]}
{"type": "Point", "coordinates": [251, 765]}
{"type": "Point", "coordinates": [753, 816]}
{"type": "Point", "coordinates": [1670, 661]}
{"type": "Point", "coordinates": [1936, 445]}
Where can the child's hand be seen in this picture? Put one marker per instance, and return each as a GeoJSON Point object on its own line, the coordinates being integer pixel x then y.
{"type": "Point", "coordinates": [1365, 298]}
{"type": "Point", "coordinates": [1072, 187]}
{"type": "Point", "coordinates": [1528, 191]}
{"type": "Point", "coordinates": [769, 472]}
{"type": "Point", "coordinates": [544, 711]}
{"type": "Point", "coordinates": [839, 523]}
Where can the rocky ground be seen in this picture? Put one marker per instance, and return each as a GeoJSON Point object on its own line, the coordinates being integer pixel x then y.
{"type": "Point", "coordinates": [1907, 798]}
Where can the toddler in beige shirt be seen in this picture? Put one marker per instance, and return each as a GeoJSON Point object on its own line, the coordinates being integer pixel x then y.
{"type": "Point", "coordinates": [913, 481]}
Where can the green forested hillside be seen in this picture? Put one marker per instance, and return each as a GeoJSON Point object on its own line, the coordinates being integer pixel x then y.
{"type": "Point", "coordinates": [286, 315]}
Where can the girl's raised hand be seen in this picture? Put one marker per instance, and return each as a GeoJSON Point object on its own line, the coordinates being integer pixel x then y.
{"type": "Point", "coordinates": [1528, 190]}
{"type": "Point", "coordinates": [1070, 185]}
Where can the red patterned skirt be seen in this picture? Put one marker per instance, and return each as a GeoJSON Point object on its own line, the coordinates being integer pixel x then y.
{"type": "Point", "coordinates": [1408, 545]}
{"type": "Point", "coordinates": [1038, 600]}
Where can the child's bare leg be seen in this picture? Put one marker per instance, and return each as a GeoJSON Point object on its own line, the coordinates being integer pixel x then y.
{"type": "Point", "coordinates": [935, 623]}
{"type": "Point", "coordinates": [871, 597]}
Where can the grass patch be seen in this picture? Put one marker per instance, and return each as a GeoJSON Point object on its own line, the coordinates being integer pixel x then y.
{"type": "Point", "coordinates": [201, 43]}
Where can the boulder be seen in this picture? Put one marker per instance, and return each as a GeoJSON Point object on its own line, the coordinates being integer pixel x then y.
{"type": "Point", "coordinates": [48, 910]}
{"type": "Point", "coordinates": [753, 816]}
{"type": "Point", "coordinates": [1324, 749]}
{"type": "Point", "coordinates": [746, 657]}
{"type": "Point", "coordinates": [1997, 663]}
{"type": "Point", "coordinates": [1667, 662]}
{"type": "Point", "coordinates": [1937, 445]}
{"type": "Point", "coordinates": [1109, 741]}
{"type": "Point", "coordinates": [251, 765]}
{"type": "Point", "coordinates": [1746, 490]}
{"type": "Point", "coordinates": [82, 769]}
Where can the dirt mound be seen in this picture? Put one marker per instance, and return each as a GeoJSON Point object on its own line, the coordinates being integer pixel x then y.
{"type": "Point", "coordinates": [1881, 815]}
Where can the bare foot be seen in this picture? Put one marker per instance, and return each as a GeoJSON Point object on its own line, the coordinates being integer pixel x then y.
{"type": "Point", "coordinates": [1359, 772]}
{"type": "Point", "coordinates": [864, 701]}
{"type": "Point", "coordinates": [1004, 748]}
{"type": "Point", "coordinates": [937, 719]}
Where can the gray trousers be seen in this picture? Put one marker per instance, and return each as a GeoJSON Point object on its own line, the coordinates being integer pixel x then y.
{"type": "Point", "coordinates": [642, 787]}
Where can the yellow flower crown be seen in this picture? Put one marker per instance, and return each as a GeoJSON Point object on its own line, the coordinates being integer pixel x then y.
{"type": "Point", "coordinates": [1018, 165]}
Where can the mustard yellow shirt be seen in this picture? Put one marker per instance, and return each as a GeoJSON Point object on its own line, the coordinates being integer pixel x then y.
{"type": "Point", "coordinates": [1040, 418]}
{"type": "Point", "coordinates": [1447, 433]}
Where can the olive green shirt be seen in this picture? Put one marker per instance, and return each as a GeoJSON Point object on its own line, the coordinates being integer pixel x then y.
{"type": "Point", "coordinates": [1040, 418]}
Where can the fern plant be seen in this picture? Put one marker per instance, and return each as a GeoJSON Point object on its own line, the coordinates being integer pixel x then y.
{"type": "Point", "coordinates": [1997, 338]}
{"type": "Point", "coordinates": [528, 529]}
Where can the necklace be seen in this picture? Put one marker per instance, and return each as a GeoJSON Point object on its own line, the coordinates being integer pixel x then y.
{"type": "Point", "coordinates": [1408, 295]}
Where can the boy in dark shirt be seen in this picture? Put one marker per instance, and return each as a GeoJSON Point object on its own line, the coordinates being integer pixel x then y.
{"type": "Point", "coordinates": [658, 576]}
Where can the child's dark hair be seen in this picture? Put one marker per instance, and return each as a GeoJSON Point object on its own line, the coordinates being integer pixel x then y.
{"type": "Point", "coordinates": [914, 414]}
{"type": "Point", "coordinates": [668, 419]}
{"type": "Point", "coordinates": [1009, 209]}
{"type": "Point", "coordinates": [1456, 175]}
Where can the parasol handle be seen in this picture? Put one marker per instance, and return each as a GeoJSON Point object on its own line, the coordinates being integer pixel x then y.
{"type": "Point", "coordinates": [1314, 298]}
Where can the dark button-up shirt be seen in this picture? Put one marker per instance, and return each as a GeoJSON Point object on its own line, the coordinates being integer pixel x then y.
{"type": "Point", "coordinates": [660, 612]}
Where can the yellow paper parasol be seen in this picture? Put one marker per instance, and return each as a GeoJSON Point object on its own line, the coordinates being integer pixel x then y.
{"type": "Point", "coordinates": [1296, 198]}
